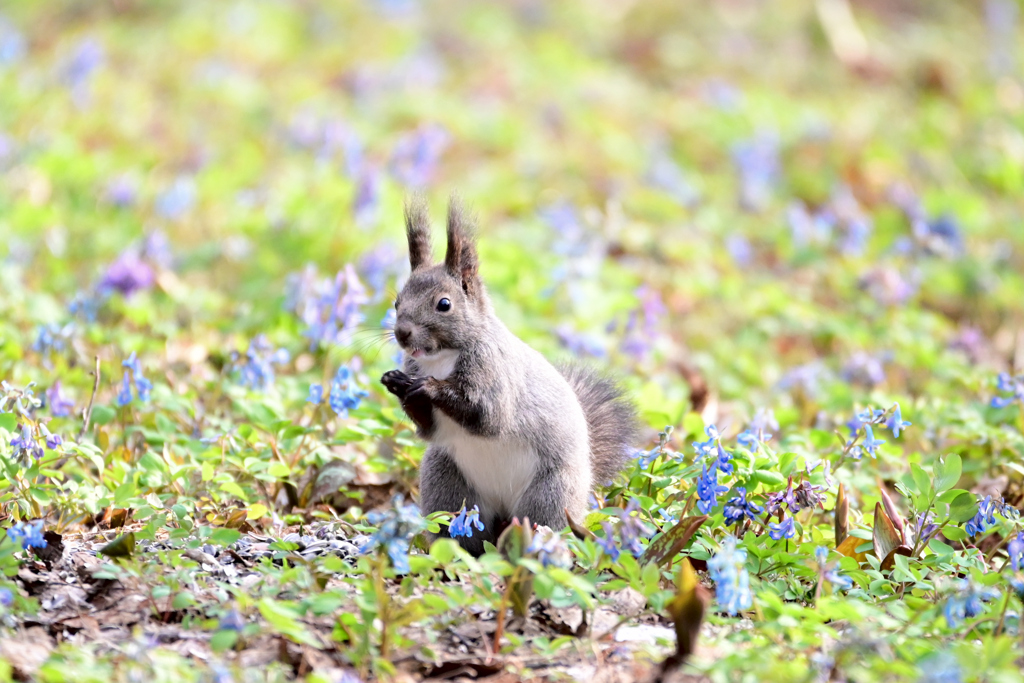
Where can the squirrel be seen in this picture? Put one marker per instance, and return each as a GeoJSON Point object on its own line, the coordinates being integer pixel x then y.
{"type": "Point", "coordinates": [506, 430]}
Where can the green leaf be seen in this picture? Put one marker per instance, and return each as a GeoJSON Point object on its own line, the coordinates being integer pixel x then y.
{"type": "Point", "coordinates": [947, 472]}
{"type": "Point", "coordinates": [769, 477]}
{"type": "Point", "coordinates": [922, 482]}
{"type": "Point", "coordinates": [8, 421]}
{"type": "Point", "coordinates": [102, 415]}
{"type": "Point", "coordinates": [963, 508]}
{"type": "Point", "coordinates": [954, 533]}
{"type": "Point", "coordinates": [285, 621]}
{"type": "Point", "coordinates": [223, 640]}
{"type": "Point", "coordinates": [224, 536]}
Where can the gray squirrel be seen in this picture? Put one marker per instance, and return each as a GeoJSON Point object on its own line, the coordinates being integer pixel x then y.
{"type": "Point", "coordinates": [507, 431]}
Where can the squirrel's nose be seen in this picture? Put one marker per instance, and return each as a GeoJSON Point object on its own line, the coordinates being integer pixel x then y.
{"type": "Point", "coordinates": [403, 333]}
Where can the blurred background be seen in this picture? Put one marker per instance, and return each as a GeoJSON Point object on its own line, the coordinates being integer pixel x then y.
{"type": "Point", "coordinates": [734, 202]}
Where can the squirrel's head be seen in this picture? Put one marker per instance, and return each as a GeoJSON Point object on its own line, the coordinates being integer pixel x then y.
{"type": "Point", "coordinates": [442, 306]}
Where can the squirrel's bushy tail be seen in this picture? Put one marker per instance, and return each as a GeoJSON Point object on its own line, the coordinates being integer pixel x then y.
{"type": "Point", "coordinates": [611, 419]}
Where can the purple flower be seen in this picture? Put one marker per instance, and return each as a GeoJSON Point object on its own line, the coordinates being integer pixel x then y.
{"type": "Point", "coordinates": [83, 61]}
{"type": "Point", "coordinates": [738, 507]}
{"type": "Point", "coordinates": [366, 203]}
{"type": "Point", "coordinates": [232, 621]}
{"type": "Point", "coordinates": [580, 344]}
{"type": "Point", "coordinates": [25, 444]}
{"type": "Point", "coordinates": [1015, 549]}
{"type": "Point", "coordinates": [415, 156]}
{"type": "Point", "coordinates": [758, 166]}
{"type": "Point", "coordinates": [783, 529]}
{"type": "Point", "coordinates": [120, 191]}
{"type": "Point", "coordinates": [739, 249]}
{"type": "Point", "coordinates": [6, 597]}
{"type": "Point", "coordinates": [607, 542]}
{"type": "Point", "coordinates": [128, 274]}
{"type": "Point", "coordinates": [864, 369]}
{"type": "Point", "coordinates": [59, 404]}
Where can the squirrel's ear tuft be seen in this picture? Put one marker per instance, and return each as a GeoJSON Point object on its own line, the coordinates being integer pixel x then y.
{"type": "Point", "coordinates": [461, 260]}
{"type": "Point", "coordinates": [417, 228]}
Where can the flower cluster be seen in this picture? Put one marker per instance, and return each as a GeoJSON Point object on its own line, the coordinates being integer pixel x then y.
{"type": "Point", "coordinates": [708, 488]}
{"type": "Point", "coordinates": [464, 522]}
{"type": "Point", "coordinates": [23, 400]}
{"type": "Point", "coordinates": [861, 425]}
{"type": "Point", "coordinates": [738, 507]}
{"type": "Point", "coordinates": [28, 535]}
{"type": "Point", "coordinates": [1009, 385]}
{"type": "Point", "coordinates": [550, 548]}
{"type": "Point", "coordinates": [630, 530]}
{"type": "Point", "coordinates": [344, 396]}
{"type": "Point", "coordinates": [331, 309]}
{"type": "Point", "coordinates": [732, 582]}
{"type": "Point", "coordinates": [983, 520]}
{"type": "Point", "coordinates": [967, 601]}
{"type": "Point", "coordinates": [256, 368]}
{"type": "Point", "coordinates": [645, 458]}
{"type": "Point", "coordinates": [395, 529]}
{"type": "Point", "coordinates": [133, 375]}
{"type": "Point", "coordinates": [26, 442]}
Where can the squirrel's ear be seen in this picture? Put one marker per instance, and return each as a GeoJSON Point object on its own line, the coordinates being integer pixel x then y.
{"type": "Point", "coordinates": [417, 228]}
{"type": "Point", "coordinates": [461, 260]}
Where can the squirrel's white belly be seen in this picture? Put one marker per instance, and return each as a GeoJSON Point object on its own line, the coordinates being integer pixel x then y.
{"type": "Point", "coordinates": [499, 470]}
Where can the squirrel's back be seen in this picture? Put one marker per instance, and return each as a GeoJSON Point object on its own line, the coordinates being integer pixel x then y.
{"type": "Point", "coordinates": [611, 419]}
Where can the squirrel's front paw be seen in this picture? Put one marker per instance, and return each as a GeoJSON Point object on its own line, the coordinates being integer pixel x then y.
{"type": "Point", "coordinates": [421, 388]}
{"type": "Point", "coordinates": [397, 382]}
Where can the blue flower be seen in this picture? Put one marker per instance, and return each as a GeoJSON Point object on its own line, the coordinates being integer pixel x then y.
{"type": "Point", "coordinates": [758, 166]}
{"type": "Point", "coordinates": [1015, 549]}
{"type": "Point", "coordinates": [124, 396]}
{"type": "Point", "coordinates": [940, 668]}
{"type": "Point", "coordinates": [750, 440]}
{"type": "Point", "coordinates": [738, 507]}
{"type": "Point", "coordinates": [708, 489]}
{"type": "Point", "coordinates": [232, 621]}
{"type": "Point", "coordinates": [631, 528]}
{"type": "Point", "coordinates": [464, 522]}
{"type": "Point", "coordinates": [967, 601]}
{"type": "Point", "coordinates": [723, 461]}
{"type": "Point", "coordinates": [389, 319]}
{"type": "Point", "coordinates": [316, 394]}
{"type": "Point", "coordinates": [1011, 385]}
{"type": "Point", "coordinates": [28, 535]}
{"type": "Point", "coordinates": [607, 543]}
{"type": "Point", "coordinates": [345, 395]}
{"type": "Point", "coordinates": [257, 370]}
{"type": "Point", "coordinates": [6, 597]}
{"type": "Point", "coordinates": [871, 444]}
{"type": "Point", "coordinates": [176, 200]}
{"type": "Point", "coordinates": [829, 572]}
{"type": "Point", "coordinates": [983, 520]}
{"type": "Point", "coordinates": [367, 198]}
{"type": "Point", "coordinates": [896, 422]}
{"type": "Point", "coordinates": [550, 548]}
{"type": "Point", "coordinates": [732, 582]}
{"type": "Point", "coordinates": [395, 528]}
{"type": "Point", "coordinates": [783, 529]}
{"type": "Point", "coordinates": [133, 373]}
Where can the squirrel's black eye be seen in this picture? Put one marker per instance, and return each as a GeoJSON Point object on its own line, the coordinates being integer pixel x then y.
{"type": "Point", "coordinates": [444, 305]}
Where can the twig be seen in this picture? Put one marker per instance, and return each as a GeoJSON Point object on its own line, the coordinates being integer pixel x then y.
{"type": "Point", "coordinates": [92, 399]}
